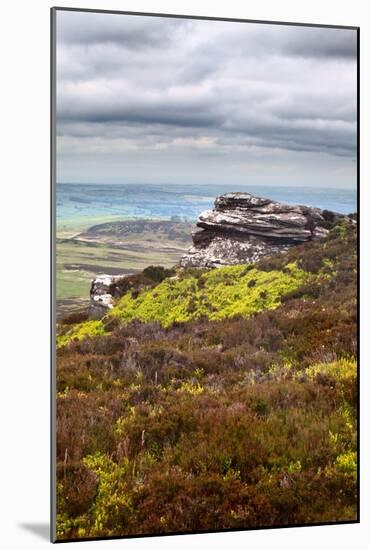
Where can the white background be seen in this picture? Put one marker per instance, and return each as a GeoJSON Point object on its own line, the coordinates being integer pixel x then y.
{"type": "Point", "coordinates": [24, 285]}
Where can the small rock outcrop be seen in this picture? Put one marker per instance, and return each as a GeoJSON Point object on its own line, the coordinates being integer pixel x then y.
{"type": "Point", "coordinates": [103, 291]}
{"type": "Point", "coordinates": [243, 228]}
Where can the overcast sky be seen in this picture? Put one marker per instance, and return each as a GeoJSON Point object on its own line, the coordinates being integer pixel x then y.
{"type": "Point", "coordinates": [160, 100]}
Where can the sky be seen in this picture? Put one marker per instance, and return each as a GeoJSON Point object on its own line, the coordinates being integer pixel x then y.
{"type": "Point", "coordinates": [145, 99]}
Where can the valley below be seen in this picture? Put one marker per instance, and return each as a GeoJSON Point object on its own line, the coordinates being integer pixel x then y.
{"type": "Point", "coordinates": [113, 248]}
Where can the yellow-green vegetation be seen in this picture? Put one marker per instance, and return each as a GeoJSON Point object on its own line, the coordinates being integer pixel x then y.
{"type": "Point", "coordinates": [80, 330]}
{"type": "Point", "coordinates": [340, 370]}
{"type": "Point", "coordinates": [112, 503]}
{"type": "Point", "coordinates": [339, 230]}
{"type": "Point", "coordinates": [150, 457]}
{"type": "Point", "coordinates": [214, 294]}
{"type": "Point", "coordinates": [198, 293]}
{"type": "Point", "coordinates": [347, 463]}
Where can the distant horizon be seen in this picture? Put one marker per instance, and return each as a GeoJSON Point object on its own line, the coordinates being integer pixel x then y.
{"type": "Point", "coordinates": [314, 187]}
{"type": "Point", "coordinates": [77, 201]}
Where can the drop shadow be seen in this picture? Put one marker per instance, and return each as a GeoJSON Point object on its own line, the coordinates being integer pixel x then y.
{"type": "Point", "coordinates": [42, 530]}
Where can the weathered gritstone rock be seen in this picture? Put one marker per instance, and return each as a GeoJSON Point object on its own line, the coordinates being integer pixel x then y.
{"type": "Point", "coordinates": [243, 228]}
{"type": "Point", "coordinates": [102, 292]}
{"type": "Point", "coordinates": [232, 250]}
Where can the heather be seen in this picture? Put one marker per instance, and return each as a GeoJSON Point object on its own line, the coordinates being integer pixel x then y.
{"type": "Point", "coordinates": [214, 399]}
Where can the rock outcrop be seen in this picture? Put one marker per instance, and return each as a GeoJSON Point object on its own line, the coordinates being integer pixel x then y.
{"type": "Point", "coordinates": [243, 228]}
{"type": "Point", "coordinates": [103, 291]}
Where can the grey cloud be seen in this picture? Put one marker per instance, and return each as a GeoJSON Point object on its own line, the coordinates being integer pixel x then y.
{"type": "Point", "coordinates": [88, 29]}
{"type": "Point", "coordinates": [209, 87]}
{"type": "Point", "coordinates": [312, 42]}
{"type": "Point", "coordinates": [185, 117]}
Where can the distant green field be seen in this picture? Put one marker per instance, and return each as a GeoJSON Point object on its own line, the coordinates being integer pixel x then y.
{"type": "Point", "coordinates": [80, 261]}
{"type": "Point", "coordinates": [67, 228]}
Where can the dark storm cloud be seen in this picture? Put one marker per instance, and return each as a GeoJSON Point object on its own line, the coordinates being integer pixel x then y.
{"type": "Point", "coordinates": [214, 88]}
{"type": "Point", "coordinates": [312, 42]}
{"type": "Point", "coordinates": [173, 113]}
{"type": "Point", "coordinates": [129, 31]}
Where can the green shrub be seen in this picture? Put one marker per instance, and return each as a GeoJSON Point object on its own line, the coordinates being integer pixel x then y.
{"type": "Point", "coordinates": [339, 370]}
{"type": "Point", "coordinates": [346, 462]}
{"type": "Point", "coordinates": [112, 505]}
{"type": "Point", "coordinates": [224, 292]}
{"type": "Point", "coordinates": [81, 330]}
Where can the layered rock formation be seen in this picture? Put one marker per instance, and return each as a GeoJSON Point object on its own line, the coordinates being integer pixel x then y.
{"type": "Point", "coordinates": [243, 228]}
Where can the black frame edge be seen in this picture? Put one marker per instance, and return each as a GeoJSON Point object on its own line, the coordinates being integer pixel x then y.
{"type": "Point", "coordinates": [205, 17]}
{"type": "Point", "coordinates": [53, 274]}
{"type": "Point", "coordinates": [358, 268]}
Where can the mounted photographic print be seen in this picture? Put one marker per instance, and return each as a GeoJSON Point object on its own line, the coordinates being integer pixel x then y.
{"type": "Point", "coordinates": [204, 274]}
